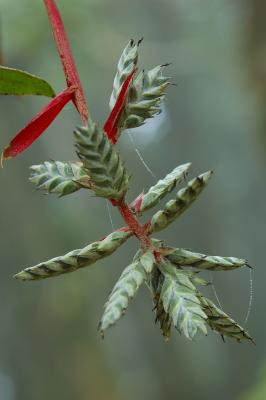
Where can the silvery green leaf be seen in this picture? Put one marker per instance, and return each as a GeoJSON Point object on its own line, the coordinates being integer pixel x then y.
{"type": "Point", "coordinates": [125, 289]}
{"type": "Point", "coordinates": [154, 283]}
{"type": "Point", "coordinates": [107, 173]}
{"type": "Point", "coordinates": [180, 301]}
{"type": "Point", "coordinates": [220, 322]}
{"type": "Point", "coordinates": [201, 261]}
{"type": "Point", "coordinates": [126, 65]}
{"type": "Point", "coordinates": [145, 96]}
{"type": "Point", "coordinates": [184, 198]}
{"type": "Point", "coordinates": [58, 177]}
{"type": "Point", "coordinates": [147, 260]}
{"type": "Point", "coordinates": [163, 187]}
{"type": "Point", "coordinates": [75, 259]}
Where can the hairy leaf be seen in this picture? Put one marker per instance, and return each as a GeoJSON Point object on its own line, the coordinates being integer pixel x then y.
{"type": "Point", "coordinates": [180, 301]}
{"type": "Point", "coordinates": [58, 177]}
{"type": "Point", "coordinates": [126, 64]}
{"type": "Point", "coordinates": [125, 289]}
{"type": "Point", "coordinates": [201, 261]}
{"type": "Point", "coordinates": [17, 82]}
{"type": "Point", "coordinates": [220, 322]}
{"type": "Point", "coordinates": [76, 259]}
{"type": "Point", "coordinates": [161, 189]}
{"type": "Point", "coordinates": [155, 283]}
{"type": "Point", "coordinates": [108, 176]}
{"type": "Point", "coordinates": [145, 97]}
{"type": "Point", "coordinates": [184, 198]}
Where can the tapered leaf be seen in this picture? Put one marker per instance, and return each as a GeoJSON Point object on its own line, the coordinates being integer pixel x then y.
{"type": "Point", "coordinates": [112, 125]}
{"type": "Point", "coordinates": [179, 299]}
{"type": "Point", "coordinates": [108, 176]}
{"type": "Point", "coordinates": [17, 82]}
{"type": "Point", "coordinates": [201, 261]}
{"type": "Point", "coordinates": [76, 259]}
{"type": "Point", "coordinates": [125, 289]}
{"type": "Point", "coordinates": [184, 198]}
{"type": "Point", "coordinates": [67, 59]}
{"type": "Point", "coordinates": [220, 322]}
{"type": "Point", "coordinates": [57, 177]}
{"type": "Point", "coordinates": [161, 189]}
{"type": "Point", "coordinates": [37, 125]}
{"type": "Point", "coordinates": [126, 64]}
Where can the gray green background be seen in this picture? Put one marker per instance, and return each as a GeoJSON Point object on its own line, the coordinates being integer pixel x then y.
{"type": "Point", "coordinates": [215, 118]}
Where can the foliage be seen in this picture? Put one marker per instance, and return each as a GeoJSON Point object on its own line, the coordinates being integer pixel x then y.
{"type": "Point", "coordinates": [174, 287]}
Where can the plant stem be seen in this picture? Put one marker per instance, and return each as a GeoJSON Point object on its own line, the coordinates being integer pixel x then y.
{"type": "Point", "coordinates": [132, 222]}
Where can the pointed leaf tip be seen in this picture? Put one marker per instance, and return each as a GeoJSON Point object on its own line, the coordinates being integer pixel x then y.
{"type": "Point", "coordinates": [37, 125]}
{"type": "Point", "coordinates": [136, 204]}
{"type": "Point", "coordinates": [67, 59]}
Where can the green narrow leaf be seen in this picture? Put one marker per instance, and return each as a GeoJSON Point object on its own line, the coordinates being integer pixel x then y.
{"type": "Point", "coordinates": [163, 187]}
{"type": "Point", "coordinates": [76, 259]}
{"type": "Point", "coordinates": [220, 322]}
{"type": "Point", "coordinates": [58, 177]}
{"type": "Point", "coordinates": [184, 198]}
{"type": "Point", "coordinates": [126, 64]}
{"type": "Point", "coordinates": [101, 160]}
{"type": "Point", "coordinates": [180, 301]}
{"type": "Point", "coordinates": [201, 261]}
{"type": "Point", "coordinates": [125, 289]}
{"type": "Point", "coordinates": [17, 82]}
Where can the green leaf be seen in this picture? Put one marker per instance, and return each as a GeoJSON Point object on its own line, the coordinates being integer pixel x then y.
{"type": "Point", "coordinates": [201, 261]}
{"type": "Point", "coordinates": [155, 283]}
{"type": "Point", "coordinates": [17, 82]}
{"type": "Point", "coordinates": [101, 160]}
{"type": "Point", "coordinates": [126, 64]}
{"type": "Point", "coordinates": [180, 301]}
{"type": "Point", "coordinates": [58, 177]}
{"type": "Point", "coordinates": [145, 96]}
{"type": "Point", "coordinates": [76, 259]}
{"type": "Point", "coordinates": [148, 261]}
{"type": "Point", "coordinates": [163, 187]}
{"type": "Point", "coordinates": [184, 198]}
{"type": "Point", "coordinates": [125, 289]}
{"type": "Point", "coordinates": [220, 322]}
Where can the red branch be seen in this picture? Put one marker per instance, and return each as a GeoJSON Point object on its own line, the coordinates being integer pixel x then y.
{"type": "Point", "coordinates": [139, 230]}
{"type": "Point", "coordinates": [67, 58]}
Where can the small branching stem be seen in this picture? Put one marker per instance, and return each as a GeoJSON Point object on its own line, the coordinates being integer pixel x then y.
{"type": "Point", "coordinates": [139, 230]}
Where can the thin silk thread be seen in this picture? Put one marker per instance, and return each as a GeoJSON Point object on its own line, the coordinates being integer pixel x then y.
{"type": "Point", "coordinates": [109, 214]}
{"type": "Point", "coordinates": [250, 296]}
{"type": "Point", "coordinates": [140, 155]}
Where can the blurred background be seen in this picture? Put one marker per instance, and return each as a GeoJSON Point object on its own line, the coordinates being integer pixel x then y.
{"type": "Point", "coordinates": [215, 117]}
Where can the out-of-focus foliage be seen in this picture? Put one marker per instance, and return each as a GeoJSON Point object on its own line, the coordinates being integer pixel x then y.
{"type": "Point", "coordinates": [50, 348]}
{"type": "Point", "coordinates": [17, 82]}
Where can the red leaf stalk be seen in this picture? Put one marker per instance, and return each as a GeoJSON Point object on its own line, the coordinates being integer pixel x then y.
{"type": "Point", "coordinates": [38, 124]}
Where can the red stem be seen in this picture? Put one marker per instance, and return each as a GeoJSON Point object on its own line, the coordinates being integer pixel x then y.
{"type": "Point", "coordinates": [132, 222]}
